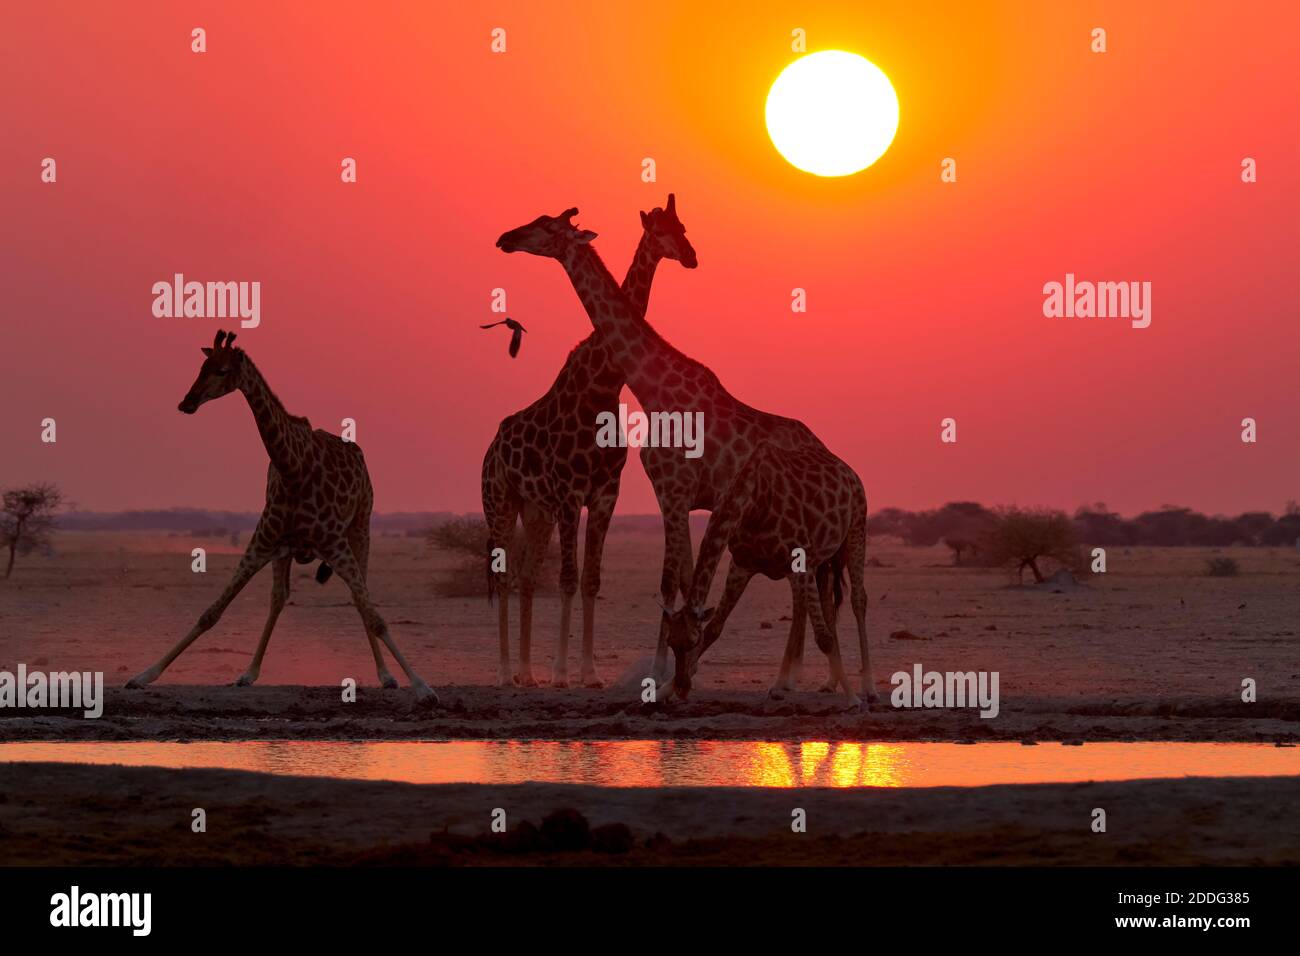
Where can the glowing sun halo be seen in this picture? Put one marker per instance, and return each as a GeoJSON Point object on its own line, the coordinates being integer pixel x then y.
{"type": "Point", "coordinates": [832, 113]}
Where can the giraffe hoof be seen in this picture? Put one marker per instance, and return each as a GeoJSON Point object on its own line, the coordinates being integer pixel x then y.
{"type": "Point", "coordinates": [143, 679]}
{"type": "Point", "coordinates": [244, 680]}
{"type": "Point", "coordinates": [388, 682]}
{"type": "Point", "coordinates": [828, 687]}
{"type": "Point", "coordinates": [525, 679]}
{"type": "Point", "coordinates": [425, 695]}
{"type": "Point", "coordinates": [778, 692]}
{"type": "Point", "coordinates": [592, 680]}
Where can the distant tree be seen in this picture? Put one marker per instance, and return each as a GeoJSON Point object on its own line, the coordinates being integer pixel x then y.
{"type": "Point", "coordinates": [960, 546]}
{"type": "Point", "coordinates": [1171, 526]}
{"type": "Point", "coordinates": [27, 519]}
{"type": "Point", "coordinates": [888, 522]}
{"type": "Point", "coordinates": [1098, 525]}
{"type": "Point", "coordinates": [1252, 526]}
{"type": "Point", "coordinates": [963, 524]}
{"type": "Point", "coordinates": [1218, 532]}
{"type": "Point", "coordinates": [1285, 531]}
{"type": "Point", "coordinates": [1022, 538]}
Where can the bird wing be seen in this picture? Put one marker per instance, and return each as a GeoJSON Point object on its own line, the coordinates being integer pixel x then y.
{"type": "Point", "coordinates": [515, 340]}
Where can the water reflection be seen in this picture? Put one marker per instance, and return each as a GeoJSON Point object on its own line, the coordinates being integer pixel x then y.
{"type": "Point", "coordinates": [668, 763]}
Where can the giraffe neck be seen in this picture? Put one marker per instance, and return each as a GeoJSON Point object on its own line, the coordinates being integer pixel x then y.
{"type": "Point", "coordinates": [286, 437]}
{"type": "Point", "coordinates": [636, 347]}
{"type": "Point", "coordinates": [641, 275]}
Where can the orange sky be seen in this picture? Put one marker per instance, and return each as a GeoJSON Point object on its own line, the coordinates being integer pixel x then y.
{"type": "Point", "coordinates": [924, 298]}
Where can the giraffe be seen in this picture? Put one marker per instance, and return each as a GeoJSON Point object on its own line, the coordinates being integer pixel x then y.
{"type": "Point", "coordinates": [781, 501]}
{"type": "Point", "coordinates": [318, 501]}
{"type": "Point", "coordinates": [665, 380]}
{"type": "Point", "coordinates": [545, 465]}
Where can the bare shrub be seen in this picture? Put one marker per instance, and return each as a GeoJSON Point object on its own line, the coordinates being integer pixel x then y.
{"type": "Point", "coordinates": [467, 538]}
{"type": "Point", "coordinates": [1222, 568]}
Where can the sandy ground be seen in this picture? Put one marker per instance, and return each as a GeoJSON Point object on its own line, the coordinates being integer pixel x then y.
{"type": "Point", "coordinates": [1152, 650]}
{"type": "Point", "coordinates": [76, 815]}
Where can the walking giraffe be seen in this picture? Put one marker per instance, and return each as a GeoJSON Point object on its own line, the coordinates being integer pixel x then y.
{"type": "Point", "coordinates": [665, 381]}
{"type": "Point", "coordinates": [318, 501]}
{"type": "Point", "coordinates": [545, 464]}
{"type": "Point", "coordinates": [789, 515]}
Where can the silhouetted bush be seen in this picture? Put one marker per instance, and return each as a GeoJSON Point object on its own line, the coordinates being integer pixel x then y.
{"type": "Point", "coordinates": [467, 537]}
{"type": "Point", "coordinates": [1222, 568]}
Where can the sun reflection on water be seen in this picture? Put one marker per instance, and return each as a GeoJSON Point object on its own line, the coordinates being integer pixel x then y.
{"type": "Point", "coordinates": [669, 763]}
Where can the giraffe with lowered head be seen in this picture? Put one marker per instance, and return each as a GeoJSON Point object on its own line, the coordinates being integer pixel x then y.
{"type": "Point", "coordinates": [318, 502]}
{"type": "Point", "coordinates": [782, 504]}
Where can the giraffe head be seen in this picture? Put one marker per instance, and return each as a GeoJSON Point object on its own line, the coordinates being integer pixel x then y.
{"type": "Point", "coordinates": [666, 231]}
{"type": "Point", "coordinates": [684, 627]}
{"type": "Point", "coordinates": [218, 375]}
{"type": "Point", "coordinates": [551, 236]}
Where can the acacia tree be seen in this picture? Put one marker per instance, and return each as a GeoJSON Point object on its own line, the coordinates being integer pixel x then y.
{"type": "Point", "coordinates": [27, 519]}
{"type": "Point", "coordinates": [1020, 538]}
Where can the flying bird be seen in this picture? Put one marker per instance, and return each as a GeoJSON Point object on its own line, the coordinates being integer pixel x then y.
{"type": "Point", "coordinates": [516, 329]}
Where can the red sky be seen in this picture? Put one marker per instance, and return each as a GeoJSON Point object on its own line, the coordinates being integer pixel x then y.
{"type": "Point", "coordinates": [924, 298]}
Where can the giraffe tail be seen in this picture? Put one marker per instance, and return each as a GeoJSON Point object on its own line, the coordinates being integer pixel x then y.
{"type": "Point", "coordinates": [323, 573]}
{"type": "Point", "coordinates": [837, 576]}
{"type": "Point", "coordinates": [491, 578]}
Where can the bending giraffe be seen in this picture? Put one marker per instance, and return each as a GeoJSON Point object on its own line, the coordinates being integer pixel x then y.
{"type": "Point", "coordinates": [796, 515]}
{"type": "Point", "coordinates": [318, 501]}
{"type": "Point", "coordinates": [545, 465]}
{"type": "Point", "coordinates": [666, 381]}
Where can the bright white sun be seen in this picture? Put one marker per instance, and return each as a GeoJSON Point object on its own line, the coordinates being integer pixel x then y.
{"type": "Point", "coordinates": [832, 113]}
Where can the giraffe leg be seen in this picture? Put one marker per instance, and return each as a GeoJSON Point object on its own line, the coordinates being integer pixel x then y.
{"type": "Point", "coordinates": [279, 594]}
{"type": "Point", "coordinates": [856, 561]}
{"type": "Point", "coordinates": [537, 536]}
{"type": "Point", "coordinates": [568, 588]}
{"type": "Point", "coordinates": [349, 572]}
{"type": "Point", "coordinates": [677, 539]}
{"type": "Point", "coordinates": [359, 541]}
{"type": "Point", "coordinates": [737, 580]}
{"type": "Point", "coordinates": [825, 634]}
{"type": "Point", "coordinates": [599, 514]}
{"type": "Point", "coordinates": [826, 595]}
{"type": "Point", "coordinates": [792, 661]}
{"type": "Point", "coordinates": [502, 515]}
{"type": "Point", "coordinates": [255, 558]}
